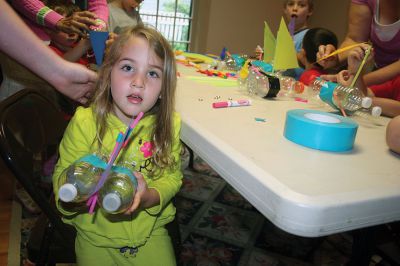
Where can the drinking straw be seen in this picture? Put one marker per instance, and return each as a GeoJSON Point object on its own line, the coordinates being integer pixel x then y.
{"type": "Point", "coordinates": [120, 143]}
{"type": "Point", "coordinates": [367, 53]}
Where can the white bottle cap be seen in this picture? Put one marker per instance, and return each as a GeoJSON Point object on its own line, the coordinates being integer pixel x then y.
{"type": "Point", "coordinates": [376, 111]}
{"type": "Point", "coordinates": [111, 202]}
{"type": "Point", "coordinates": [366, 102]}
{"type": "Point", "coordinates": [67, 192]}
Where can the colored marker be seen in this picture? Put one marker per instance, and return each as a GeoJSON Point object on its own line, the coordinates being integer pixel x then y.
{"type": "Point", "coordinates": [231, 103]}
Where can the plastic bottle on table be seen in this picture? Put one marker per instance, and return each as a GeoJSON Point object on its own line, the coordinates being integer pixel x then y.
{"type": "Point", "coordinates": [341, 97]}
{"type": "Point", "coordinates": [79, 180]}
{"type": "Point", "coordinates": [117, 193]}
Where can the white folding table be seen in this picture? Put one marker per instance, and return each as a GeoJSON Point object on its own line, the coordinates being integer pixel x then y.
{"type": "Point", "coordinates": [303, 191]}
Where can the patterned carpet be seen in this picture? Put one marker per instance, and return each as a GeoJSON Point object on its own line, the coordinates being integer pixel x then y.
{"type": "Point", "coordinates": [219, 227]}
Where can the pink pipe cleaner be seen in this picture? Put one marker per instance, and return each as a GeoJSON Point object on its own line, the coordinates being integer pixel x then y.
{"type": "Point", "coordinates": [120, 143]}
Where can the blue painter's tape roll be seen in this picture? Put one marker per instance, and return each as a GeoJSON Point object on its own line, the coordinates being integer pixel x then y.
{"type": "Point", "coordinates": [320, 130]}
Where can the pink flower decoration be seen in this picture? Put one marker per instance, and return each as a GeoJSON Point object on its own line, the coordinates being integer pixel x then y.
{"type": "Point", "coordinates": [147, 149]}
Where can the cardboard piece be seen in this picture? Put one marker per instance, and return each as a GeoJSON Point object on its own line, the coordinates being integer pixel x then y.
{"type": "Point", "coordinates": [285, 53]}
{"type": "Point", "coordinates": [98, 40]}
{"type": "Point", "coordinates": [269, 44]}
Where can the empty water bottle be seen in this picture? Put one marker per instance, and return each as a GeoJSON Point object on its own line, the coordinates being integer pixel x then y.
{"type": "Point", "coordinates": [117, 193]}
{"type": "Point", "coordinates": [341, 97]}
{"type": "Point", "coordinates": [78, 181]}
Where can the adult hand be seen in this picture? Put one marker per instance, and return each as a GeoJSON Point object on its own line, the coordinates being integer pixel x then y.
{"type": "Point", "coordinates": [79, 23]}
{"type": "Point", "coordinates": [74, 80]}
{"type": "Point", "coordinates": [356, 55]}
{"type": "Point", "coordinates": [324, 51]}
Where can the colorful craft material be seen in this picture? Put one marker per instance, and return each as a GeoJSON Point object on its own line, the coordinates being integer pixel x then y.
{"type": "Point", "coordinates": [285, 53]}
{"type": "Point", "coordinates": [121, 142]}
{"type": "Point", "coordinates": [98, 41]}
{"type": "Point", "coordinates": [320, 130]}
{"type": "Point", "coordinates": [367, 53]}
{"type": "Point", "coordinates": [236, 103]}
{"type": "Point", "coordinates": [269, 44]}
{"type": "Point", "coordinates": [344, 49]}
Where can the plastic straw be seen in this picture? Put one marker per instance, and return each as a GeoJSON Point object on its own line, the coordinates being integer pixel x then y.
{"type": "Point", "coordinates": [120, 142]}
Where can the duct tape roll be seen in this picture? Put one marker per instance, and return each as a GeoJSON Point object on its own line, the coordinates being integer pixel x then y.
{"type": "Point", "coordinates": [320, 130]}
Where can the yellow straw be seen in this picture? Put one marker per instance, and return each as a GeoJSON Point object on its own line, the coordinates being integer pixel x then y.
{"type": "Point", "coordinates": [367, 53]}
{"type": "Point", "coordinates": [344, 49]}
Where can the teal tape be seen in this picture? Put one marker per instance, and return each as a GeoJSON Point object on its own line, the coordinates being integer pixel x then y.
{"type": "Point", "coordinates": [93, 160]}
{"type": "Point", "coordinates": [320, 130]}
{"type": "Point", "coordinates": [326, 93]}
{"type": "Point", "coordinates": [97, 162]}
{"type": "Point", "coordinates": [125, 171]}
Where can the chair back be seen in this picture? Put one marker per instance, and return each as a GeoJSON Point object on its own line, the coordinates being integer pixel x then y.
{"type": "Point", "coordinates": [31, 127]}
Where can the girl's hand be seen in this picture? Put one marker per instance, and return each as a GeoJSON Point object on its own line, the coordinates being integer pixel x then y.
{"type": "Point", "coordinates": [325, 50]}
{"type": "Point", "coordinates": [259, 52]}
{"type": "Point", "coordinates": [111, 38]}
{"type": "Point", "coordinates": [85, 44]}
{"type": "Point", "coordinates": [343, 78]}
{"type": "Point", "coordinates": [141, 190]}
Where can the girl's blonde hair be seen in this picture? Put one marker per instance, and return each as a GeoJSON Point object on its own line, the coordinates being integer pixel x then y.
{"type": "Point", "coordinates": [162, 134]}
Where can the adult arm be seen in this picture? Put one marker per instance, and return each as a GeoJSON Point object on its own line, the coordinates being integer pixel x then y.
{"type": "Point", "coordinates": [72, 80]}
{"type": "Point", "coordinates": [383, 74]}
{"type": "Point", "coordinates": [37, 12]}
{"type": "Point", "coordinates": [359, 27]}
{"type": "Point", "coordinates": [390, 107]}
{"type": "Point", "coordinates": [100, 8]}
{"type": "Point", "coordinates": [358, 30]}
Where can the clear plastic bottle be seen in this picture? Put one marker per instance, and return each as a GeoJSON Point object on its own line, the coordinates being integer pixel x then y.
{"type": "Point", "coordinates": [341, 97]}
{"type": "Point", "coordinates": [117, 193]}
{"type": "Point", "coordinates": [79, 180]}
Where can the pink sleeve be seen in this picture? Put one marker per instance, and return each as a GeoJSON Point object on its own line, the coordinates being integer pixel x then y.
{"type": "Point", "coordinates": [100, 8]}
{"type": "Point", "coordinates": [37, 12]}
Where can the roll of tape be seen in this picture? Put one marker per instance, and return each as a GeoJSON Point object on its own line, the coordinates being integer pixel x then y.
{"type": "Point", "coordinates": [320, 130]}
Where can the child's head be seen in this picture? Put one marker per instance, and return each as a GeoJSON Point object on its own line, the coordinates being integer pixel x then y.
{"type": "Point", "coordinates": [301, 10]}
{"type": "Point", "coordinates": [128, 5]}
{"type": "Point", "coordinates": [313, 39]}
{"type": "Point", "coordinates": [61, 39]}
{"type": "Point", "coordinates": [138, 75]}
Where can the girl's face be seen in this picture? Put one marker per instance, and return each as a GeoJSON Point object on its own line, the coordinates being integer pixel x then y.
{"type": "Point", "coordinates": [136, 79]}
{"type": "Point", "coordinates": [66, 40]}
{"type": "Point", "coordinates": [63, 40]}
{"type": "Point", "coordinates": [300, 10]}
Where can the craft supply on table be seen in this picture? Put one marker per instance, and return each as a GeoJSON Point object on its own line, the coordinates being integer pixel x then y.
{"type": "Point", "coordinates": [236, 103]}
{"type": "Point", "coordinates": [320, 130]}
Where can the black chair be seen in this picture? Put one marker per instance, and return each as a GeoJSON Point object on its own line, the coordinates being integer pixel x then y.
{"type": "Point", "coordinates": [31, 128]}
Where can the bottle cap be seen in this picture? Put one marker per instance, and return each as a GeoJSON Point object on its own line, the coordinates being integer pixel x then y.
{"type": "Point", "coordinates": [111, 202]}
{"type": "Point", "coordinates": [366, 102]}
{"type": "Point", "coordinates": [376, 111]}
{"type": "Point", "coordinates": [67, 192]}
